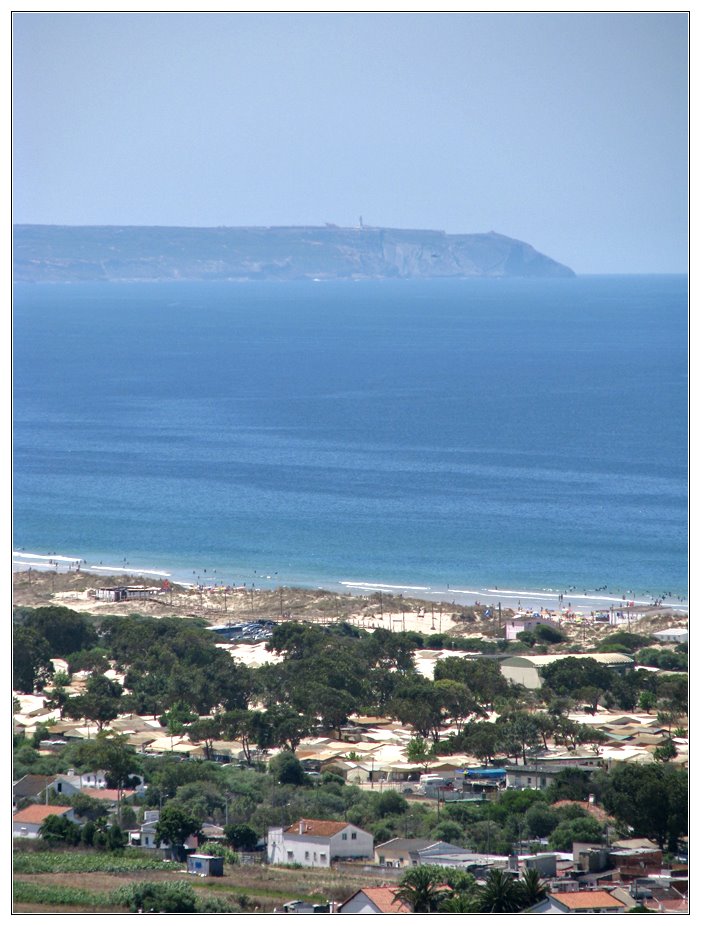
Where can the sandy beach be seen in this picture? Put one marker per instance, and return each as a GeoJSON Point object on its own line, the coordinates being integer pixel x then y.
{"type": "Point", "coordinates": [561, 603]}
{"type": "Point", "coordinates": [66, 580]}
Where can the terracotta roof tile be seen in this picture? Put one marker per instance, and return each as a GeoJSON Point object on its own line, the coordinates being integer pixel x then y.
{"type": "Point", "coordinates": [37, 813]}
{"type": "Point", "coordinates": [383, 898]}
{"type": "Point", "coordinates": [317, 827]}
{"type": "Point", "coordinates": [106, 794]}
{"type": "Point", "coordinates": [584, 900]}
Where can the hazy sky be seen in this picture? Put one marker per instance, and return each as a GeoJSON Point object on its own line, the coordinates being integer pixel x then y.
{"type": "Point", "coordinates": [569, 131]}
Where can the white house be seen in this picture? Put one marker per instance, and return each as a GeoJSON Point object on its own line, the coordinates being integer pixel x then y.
{"type": "Point", "coordinates": [72, 783]}
{"type": "Point", "coordinates": [673, 635]}
{"type": "Point", "coordinates": [26, 823]}
{"type": "Point", "coordinates": [145, 836]}
{"type": "Point", "coordinates": [316, 843]}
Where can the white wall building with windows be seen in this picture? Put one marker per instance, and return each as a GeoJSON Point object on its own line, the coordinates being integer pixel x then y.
{"type": "Point", "coordinates": [316, 843]}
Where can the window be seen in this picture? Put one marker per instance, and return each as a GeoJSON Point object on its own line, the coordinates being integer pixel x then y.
{"type": "Point", "coordinates": [322, 857]}
{"type": "Point", "coordinates": [289, 856]}
{"type": "Point", "coordinates": [315, 856]}
{"type": "Point", "coordinates": [354, 835]}
{"type": "Point", "coordinates": [306, 856]}
{"type": "Point", "coordinates": [344, 836]}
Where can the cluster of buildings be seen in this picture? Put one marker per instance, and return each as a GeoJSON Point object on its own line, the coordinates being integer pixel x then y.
{"type": "Point", "coordinates": [372, 753]}
{"type": "Point", "coordinates": [590, 879]}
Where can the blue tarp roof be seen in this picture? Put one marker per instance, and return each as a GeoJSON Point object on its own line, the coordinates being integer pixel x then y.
{"type": "Point", "coordinates": [485, 772]}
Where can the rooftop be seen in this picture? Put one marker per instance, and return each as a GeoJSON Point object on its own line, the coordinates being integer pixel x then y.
{"type": "Point", "coordinates": [584, 900]}
{"type": "Point", "coordinates": [316, 827]}
{"type": "Point", "coordinates": [383, 898]}
{"type": "Point", "coordinates": [37, 813]}
{"type": "Point", "coordinates": [609, 659]}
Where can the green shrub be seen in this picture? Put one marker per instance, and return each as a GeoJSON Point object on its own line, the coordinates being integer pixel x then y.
{"type": "Point", "coordinates": [578, 830]}
{"type": "Point", "coordinates": [624, 638]}
{"type": "Point", "coordinates": [663, 659]}
{"type": "Point", "coordinates": [158, 897]}
{"type": "Point", "coordinates": [216, 848]}
{"type": "Point", "coordinates": [214, 904]}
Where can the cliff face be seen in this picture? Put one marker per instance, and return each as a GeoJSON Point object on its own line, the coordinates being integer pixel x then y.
{"type": "Point", "coordinates": [56, 253]}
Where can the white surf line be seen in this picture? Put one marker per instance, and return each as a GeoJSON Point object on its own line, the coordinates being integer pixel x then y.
{"type": "Point", "coordinates": [511, 591]}
{"type": "Point", "coordinates": [48, 557]}
{"type": "Point", "coordinates": [594, 596]}
{"type": "Point", "coordinates": [460, 591]}
{"type": "Point", "coordinates": [380, 585]}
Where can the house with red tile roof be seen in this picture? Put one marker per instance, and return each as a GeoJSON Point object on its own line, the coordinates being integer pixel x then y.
{"type": "Point", "coordinates": [381, 899]}
{"type": "Point", "coordinates": [579, 902]}
{"type": "Point", "coordinates": [26, 823]}
{"type": "Point", "coordinates": [109, 795]}
{"type": "Point", "coordinates": [315, 843]}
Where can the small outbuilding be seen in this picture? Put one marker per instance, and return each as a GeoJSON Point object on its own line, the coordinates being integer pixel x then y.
{"type": "Point", "coordinates": [526, 670]}
{"type": "Point", "coordinates": [205, 865]}
{"type": "Point", "coordinates": [673, 635]}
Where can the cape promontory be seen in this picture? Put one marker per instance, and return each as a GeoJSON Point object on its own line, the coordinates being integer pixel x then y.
{"type": "Point", "coordinates": [114, 253]}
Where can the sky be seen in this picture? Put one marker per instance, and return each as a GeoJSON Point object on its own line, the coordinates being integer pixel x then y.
{"type": "Point", "coordinates": [568, 131]}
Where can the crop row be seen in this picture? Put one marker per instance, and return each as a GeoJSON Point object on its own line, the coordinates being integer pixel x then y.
{"type": "Point", "coordinates": [56, 895]}
{"type": "Point", "coordinates": [46, 862]}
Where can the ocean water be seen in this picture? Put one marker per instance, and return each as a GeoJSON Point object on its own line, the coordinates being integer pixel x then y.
{"type": "Point", "coordinates": [465, 435]}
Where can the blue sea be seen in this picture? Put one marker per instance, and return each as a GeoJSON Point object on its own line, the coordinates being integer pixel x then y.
{"type": "Point", "coordinates": [449, 437]}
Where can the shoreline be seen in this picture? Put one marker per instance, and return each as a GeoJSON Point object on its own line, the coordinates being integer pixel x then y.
{"type": "Point", "coordinates": [578, 602]}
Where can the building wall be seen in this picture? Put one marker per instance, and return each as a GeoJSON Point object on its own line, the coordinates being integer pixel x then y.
{"type": "Point", "coordinates": [529, 779]}
{"type": "Point", "coordinates": [309, 851]}
{"type": "Point", "coordinates": [359, 904]}
{"type": "Point", "coordinates": [31, 830]}
{"type": "Point", "coordinates": [317, 851]}
{"type": "Point", "coordinates": [528, 676]}
{"type": "Point", "coordinates": [26, 830]}
{"type": "Point", "coordinates": [275, 846]}
{"type": "Point", "coordinates": [357, 844]}
{"type": "Point", "coordinates": [393, 859]}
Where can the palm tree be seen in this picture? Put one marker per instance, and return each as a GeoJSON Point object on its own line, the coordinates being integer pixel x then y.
{"type": "Point", "coordinates": [459, 902]}
{"type": "Point", "coordinates": [422, 889]}
{"type": "Point", "coordinates": [500, 894]}
{"type": "Point", "coordinates": [532, 888]}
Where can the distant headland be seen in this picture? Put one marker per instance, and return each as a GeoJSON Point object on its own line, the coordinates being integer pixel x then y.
{"type": "Point", "coordinates": [116, 253]}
